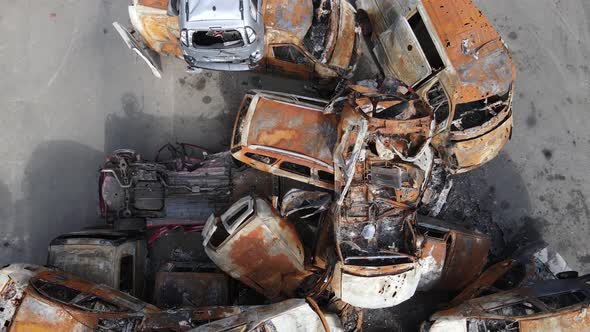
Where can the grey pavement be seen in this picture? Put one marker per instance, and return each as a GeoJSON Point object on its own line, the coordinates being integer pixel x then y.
{"type": "Point", "coordinates": [70, 92]}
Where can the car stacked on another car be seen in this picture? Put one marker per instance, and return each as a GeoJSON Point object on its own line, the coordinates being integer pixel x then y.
{"type": "Point", "coordinates": [306, 39]}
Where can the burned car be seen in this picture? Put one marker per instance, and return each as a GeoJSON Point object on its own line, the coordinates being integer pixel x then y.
{"type": "Point", "coordinates": [450, 53]}
{"type": "Point", "coordinates": [450, 256]}
{"type": "Point", "coordinates": [103, 256]}
{"type": "Point", "coordinates": [382, 163]}
{"type": "Point", "coordinates": [253, 244]}
{"type": "Point", "coordinates": [306, 39]}
{"type": "Point", "coordinates": [286, 135]}
{"type": "Point", "coordinates": [289, 315]}
{"type": "Point", "coordinates": [41, 299]}
{"type": "Point", "coordinates": [179, 188]}
{"type": "Point", "coordinates": [550, 305]}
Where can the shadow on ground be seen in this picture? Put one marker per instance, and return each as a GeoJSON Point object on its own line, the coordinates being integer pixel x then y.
{"type": "Point", "coordinates": [59, 196]}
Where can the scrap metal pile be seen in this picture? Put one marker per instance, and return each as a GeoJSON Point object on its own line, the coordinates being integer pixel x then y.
{"type": "Point", "coordinates": [321, 209]}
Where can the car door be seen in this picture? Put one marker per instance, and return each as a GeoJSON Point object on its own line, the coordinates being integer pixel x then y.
{"type": "Point", "coordinates": [289, 60]}
{"type": "Point", "coordinates": [399, 51]}
{"type": "Point", "coordinates": [135, 45]}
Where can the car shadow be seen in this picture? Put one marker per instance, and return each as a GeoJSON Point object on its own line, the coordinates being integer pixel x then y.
{"type": "Point", "coordinates": [59, 196]}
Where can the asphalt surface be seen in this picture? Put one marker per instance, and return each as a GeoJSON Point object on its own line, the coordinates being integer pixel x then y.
{"type": "Point", "coordinates": [70, 92]}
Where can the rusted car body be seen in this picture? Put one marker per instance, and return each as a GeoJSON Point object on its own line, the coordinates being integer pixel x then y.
{"type": "Point", "coordinates": [306, 39]}
{"type": "Point", "coordinates": [253, 244]}
{"type": "Point", "coordinates": [102, 256]}
{"type": "Point", "coordinates": [450, 53]}
{"type": "Point", "coordinates": [450, 256]}
{"type": "Point", "coordinates": [310, 39]}
{"type": "Point", "coordinates": [41, 299]}
{"type": "Point", "coordinates": [289, 315]}
{"type": "Point", "coordinates": [130, 187]}
{"type": "Point", "coordinates": [550, 305]}
{"type": "Point", "coordinates": [286, 135]}
{"type": "Point", "coordinates": [157, 32]}
{"type": "Point", "coordinates": [382, 164]}
{"type": "Point", "coordinates": [180, 284]}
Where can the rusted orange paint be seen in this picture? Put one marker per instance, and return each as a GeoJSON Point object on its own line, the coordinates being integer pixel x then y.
{"type": "Point", "coordinates": [252, 254]}
{"type": "Point", "coordinates": [492, 72]}
{"type": "Point", "coordinates": [465, 259]}
{"type": "Point", "coordinates": [293, 17]}
{"type": "Point", "coordinates": [470, 154]}
{"type": "Point", "coordinates": [567, 321]}
{"type": "Point", "coordinates": [158, 4]}
{"type": "Point", "coordinates": [290, 127]}
{"type": "Point", "coordinates": [160, 33]}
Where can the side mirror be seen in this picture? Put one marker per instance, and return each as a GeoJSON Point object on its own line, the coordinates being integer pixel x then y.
{"type": "Point", "coordinates": [173, 8]}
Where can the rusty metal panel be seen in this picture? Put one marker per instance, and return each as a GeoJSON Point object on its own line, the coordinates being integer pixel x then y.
{"type": "Point", "coordinates": [176, 289]}
{"type": "Point", "coordinates": [473, 47]}
{"type": "Point", "coordinates": [14, 279]}
{"type": "Point", "coordinates": [289, 127]}
{"type": "Point", "coordinates": [158, 4]}
{"type": "Point", "coordinates": [466, 155]}
{"type": "Point", "coordinates": [483, 282]}
{"type": "Point", "coordinates": [569, 321]}
{"type": "Point", "coordinates": [466, 257]}
{"type": "Point", "coordinates": [432, 261]}
{"type": "Point", "coordinates": [253, 244]}
{"type": "Point", "coordinates": [37, 314]}
{"type": "Point", "coordinates": [293, 17]}
{"type": "Point", "coordinates": [159, 31]}
{"type": "Point", "coordinates": [346, 37]}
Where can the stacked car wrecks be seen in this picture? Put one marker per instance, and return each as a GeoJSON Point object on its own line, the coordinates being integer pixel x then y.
{"type": "Point", "coordinates": [321, 208]}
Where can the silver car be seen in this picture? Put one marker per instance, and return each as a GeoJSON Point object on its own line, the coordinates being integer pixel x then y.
{"type": "Point", "coordinates": [220, 34]}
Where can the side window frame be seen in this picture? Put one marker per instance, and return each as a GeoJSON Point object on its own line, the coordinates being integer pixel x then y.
{"type": "Point", "coordinates": [308, 61]}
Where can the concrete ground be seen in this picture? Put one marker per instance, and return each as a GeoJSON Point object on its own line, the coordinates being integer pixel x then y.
{"type": "Point", "coordinates": [70, 92]}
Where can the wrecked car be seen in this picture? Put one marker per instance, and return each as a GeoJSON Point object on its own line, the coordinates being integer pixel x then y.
{"type": "Point", "coordinates": [253, 244]}
{"type": "Point", "coordinates": [289, 315]}
{"type": "Point", "coordinates": [42, 299]}
{"type": "Point", "coordinates": [286, 135]}
{"type": "Point", "coordinates": [450, 256]}
{"type": "Point", "coordinates": [550, 305]}
{"type": "Point", "coordinates": [176, 188]}
{"type": "Point", "coordinates": [382, 161]}
{"type": "Point", "coordinates": [306, 39]}
{"type": "Point", "coordinates": [103, 256]}
{"type": "Point", "coordinates": [153, 32]}
{"type": "Point", "coordinates": [220, 35]}
{"type": "Point", "coordinates": [452, 56]}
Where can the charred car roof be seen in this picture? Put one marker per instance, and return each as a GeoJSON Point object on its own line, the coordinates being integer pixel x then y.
{"type": "Point", "coordinates": [292, 17]}
{"type": "Point", "coordinates": [276, 123]}
{"type": "Point", "coordinates": [473, 47]}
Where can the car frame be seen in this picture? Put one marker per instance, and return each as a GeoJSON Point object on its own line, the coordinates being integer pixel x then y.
{"type": "Point", "coordinates": [549, 305]}
{"type": "Point", "coordinates": [102, 256]}
{"type": "Point", "coordinates": [287, 44]}
{"type": "Point", "coordinates": [272, 134]}
{"type": "Point", "coordinates": [450, 53]}
{"type": "Point", "coordinates": [253, 244]}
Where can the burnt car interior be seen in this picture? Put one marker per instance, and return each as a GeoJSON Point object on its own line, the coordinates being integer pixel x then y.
{"type": "Point", "coordinates": [221, 39]}
{"type": "Point", "coordinates": [316, 38]}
